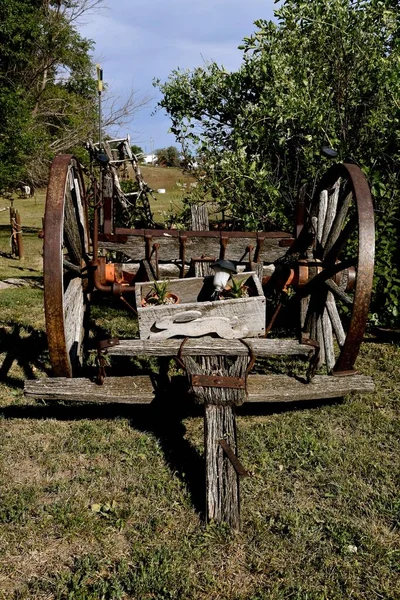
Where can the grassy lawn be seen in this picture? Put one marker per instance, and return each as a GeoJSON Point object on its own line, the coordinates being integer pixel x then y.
{"type": "Point", "coordinates": [173, 181]}
{"type": "Point", "coordinates": [107, 501]}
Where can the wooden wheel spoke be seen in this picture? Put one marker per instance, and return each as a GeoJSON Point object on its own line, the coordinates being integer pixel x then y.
{"type": "Point", "coordinates": [72, 235]}
{"type": "Point", "coordinates": [335, 289]}
{"type": "Point", "coordinates": [328, 341]}
{"type": "Point", "coordinates": [322, 207]}
{"type": "Point", "coordinates": [341, 240]}
{"type": "Point", "coordinates": [337, 224]}
{"type": "Point", "coordinates": [331, 209]}
{"type": "Point", "coordinates": [335, 319]}
{"type": "Point", "coordinates": [74, 310]}
{"type": "Point", "coordinates": [320, 340]}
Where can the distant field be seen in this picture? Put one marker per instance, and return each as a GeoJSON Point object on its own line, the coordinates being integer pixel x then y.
{"type": "Point", "coordinates": [175, 183]}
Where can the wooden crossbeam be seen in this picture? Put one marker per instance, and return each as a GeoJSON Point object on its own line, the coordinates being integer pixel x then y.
{"type": "Point", "coordinates": [208, 346]}
{"type": "Point", "coordinates": [140, 389]}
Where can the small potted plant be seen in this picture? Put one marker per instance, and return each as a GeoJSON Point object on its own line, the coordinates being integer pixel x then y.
{"type": "Point", "coordinates": [159, 295]}
{"type": "Point", "coordinates": [236, 289]}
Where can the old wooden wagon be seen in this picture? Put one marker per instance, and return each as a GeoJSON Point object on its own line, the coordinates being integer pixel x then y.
{"type": "Point", "coordinates": [327, 264]}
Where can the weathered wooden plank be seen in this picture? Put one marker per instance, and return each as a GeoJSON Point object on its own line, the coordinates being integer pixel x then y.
{"type": "Point", "coordinates": [208, 346]}
{"type": "Point", "coordinates": [196, 246]}
{"type": "Point", "coordinates": [139, 389]}
{"type": "Point", "coordinates": [230, 318]}
{"type": "Point", "coordinates": [125, 390]}
{"type": "Point", "coordinates": [282, 388]}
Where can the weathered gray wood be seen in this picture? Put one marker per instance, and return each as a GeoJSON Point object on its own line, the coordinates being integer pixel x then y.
{"type": "Point", "coordinates": [74, 312]}
{"type": "Point", "coordinates": [200, 222]}
{"type": "Point", "coordinates": [222, 481]}
{"type": "Point", "coordinates": [139, 390]}
{"type": "Point", "coordinates": [129, 390]}
{"type": "Point", "coordinates": [338, 292]}
{"type": "Point", "coordinates": [338, 223]}
{"type": "Point", "coordinates": [224, 327]}
{"type": "Point", "coordinates": [230, 318]}
{"type": "Point", "coordinates": [282, 388]}
{"type": "Point", "coordinates": [217, 365]}
{"type": "Point", "coordinates": [328, 341]}
{"type": "Point", "coordinates": [208, 346]}
{"type": "Point", "coordinates": [323, 204]}
{"type": "Point", "coordinates": [320, 340]}
{"type": "Point", "coordinates": [330, 212]}
{"type": "Point", "coordinates": [196, 246]}
{"type": "Point", "coordinates": [335, 319]}
{"type": "Point", "coordinates": [199, 217]}
{"type": "Point", "coordinates": [304, 304]}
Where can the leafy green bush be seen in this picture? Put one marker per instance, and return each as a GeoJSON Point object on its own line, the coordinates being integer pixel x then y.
{"type": "Point", "coordinates": [326, 74]}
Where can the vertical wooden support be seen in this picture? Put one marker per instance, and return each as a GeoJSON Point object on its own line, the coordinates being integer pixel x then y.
{"type": "Point", "coordinates": [20, 242]}
{"type": "Point", "coordinates": [222, 480]}
{"type": "Point", "coordinates": [108, 203]}
{"type": "Point", "coordinates": [13, 225]}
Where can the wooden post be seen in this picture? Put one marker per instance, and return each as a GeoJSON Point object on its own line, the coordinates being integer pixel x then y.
{"type": "Point", "coordinates": [20, 242]}
{"type": "Point", "coordinates": [222, 480]}
{"type": "Point", "coordinates": [13, 224]}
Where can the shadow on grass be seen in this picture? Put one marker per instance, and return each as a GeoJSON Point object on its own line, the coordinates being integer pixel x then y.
{"type": "Point", "coordinates": [27, 347]}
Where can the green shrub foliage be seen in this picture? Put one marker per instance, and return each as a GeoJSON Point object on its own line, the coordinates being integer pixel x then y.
{"type": "Point", "coordinates": [327, 73]}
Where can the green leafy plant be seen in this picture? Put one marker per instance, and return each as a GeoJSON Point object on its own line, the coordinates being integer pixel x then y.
{"type": "Point", "coordinates": [257, 132]}
{"type": "Point", "coordinates": [159, 294]}
{"type": "Point", "coordinates": [236, 289]}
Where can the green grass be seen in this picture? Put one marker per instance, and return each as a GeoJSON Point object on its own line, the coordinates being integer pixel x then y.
{"type": "Point", "coordinates": [105, 501]}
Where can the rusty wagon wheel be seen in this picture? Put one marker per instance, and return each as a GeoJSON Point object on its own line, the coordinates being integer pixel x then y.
{"type": "Point", "coordinates": [337, 267]}
{"type": "Point", "coordinates": [66, 245]}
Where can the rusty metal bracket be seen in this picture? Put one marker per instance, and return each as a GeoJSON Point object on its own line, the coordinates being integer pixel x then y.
{"type": "Point", "coordinates": [148, 239]}
{"type": "Point", "coordinates": [100, 361]}
{"type": "Point", "coordinates": [314, 358]}
{"type": "Point", "coordinates": [218, 381]}
{"type": "Point", "coordinates": [155, 252]}
{"type": "Point", "coordinates": [348, 373]}
{"type": "Point", "coordinates": [237, 465]}
{"type": "Point", "coordinates": [224, 243]}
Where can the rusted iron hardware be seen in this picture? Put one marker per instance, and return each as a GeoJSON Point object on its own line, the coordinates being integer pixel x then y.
{"type": "Point", "coordinates": [218, 381]}
{"type": "Point", "coordinates": [100, 360]}
{"type": "Point", "coordinates": [237, 465]}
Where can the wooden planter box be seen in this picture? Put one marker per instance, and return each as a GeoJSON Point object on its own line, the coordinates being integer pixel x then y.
{"type": "Point", "coordinates": [196, 315]}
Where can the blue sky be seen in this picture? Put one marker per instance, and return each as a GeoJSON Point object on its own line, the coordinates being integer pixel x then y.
{"type": "Point", "coordinates": [138, 41]}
